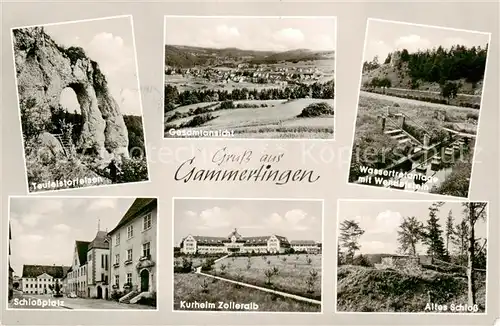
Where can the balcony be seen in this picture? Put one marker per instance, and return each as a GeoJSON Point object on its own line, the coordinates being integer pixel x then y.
{"type": "Point", "coordinates": [116, 265]}
{"type": "Point", "coordinates": [128, 262]}
{"type": "Point", "coordinates": [147, 257]}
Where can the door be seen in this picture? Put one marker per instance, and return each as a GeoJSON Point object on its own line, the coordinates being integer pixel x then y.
{"type": "Point", "coordinates": [144, 280]}
{"type": "Point", "coordinates": [99, 292]}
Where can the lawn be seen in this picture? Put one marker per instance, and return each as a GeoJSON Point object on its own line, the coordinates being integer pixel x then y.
{"type": "Point", "coordinates": [189, 288]}
{"type": "Point", "coordinates": [277, 120]}
{"type": "Point", "coordinates": [294, 272]}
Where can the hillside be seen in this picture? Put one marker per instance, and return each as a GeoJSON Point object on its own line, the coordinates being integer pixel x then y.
{"type": "Point", "coordinates": [187, 57]}
{"type": "Point", "coordinates": [427, 70]}
{"type": "Point", "coordinates": [364, 289]}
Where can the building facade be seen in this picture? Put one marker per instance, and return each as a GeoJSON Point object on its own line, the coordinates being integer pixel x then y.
{"type": "Point", "coordinates": [308, 246]}
{"type": "Point", "coordinates": [133, 249]}
{"type": "Point", "coordinates": [77, 277]}
{"type": "Point", "coordinates": [235, 243]}
{"type": "Point", "coordinates": [98, 267]}
{"type": "Point", "coordinates": [42, 279]}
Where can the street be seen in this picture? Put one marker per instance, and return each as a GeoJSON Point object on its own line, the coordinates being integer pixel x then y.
{"type": "Point", "coordinates": [43, 301]}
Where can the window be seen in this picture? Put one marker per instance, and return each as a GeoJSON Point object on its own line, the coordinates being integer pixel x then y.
{"type": "Point", "coordinates": [129, 254]}
{"type": "Point", "coordinates": [117, 258]}
{"type": "Point", "coordinates": [117, 280]}
{"type": "Point", "coordinates": [146, 249]}
{"type": "Point", "coordinates": [102, 276]}
{"type": "Point", "coordinates": [147, 222]}
{"type": "Point", "coordinates": [129, 278]}
{"type": "Point", "coordinates": [106, 262]}
{"type": "Point", "coordinates": [130, 231]}
{"type": "Point", "coordinates": [117, 239]}
{"type": "Point", "coordinates": [102, 261]}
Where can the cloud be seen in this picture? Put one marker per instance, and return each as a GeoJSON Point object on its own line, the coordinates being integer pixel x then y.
{"type": "Point", "coordinates": [99, 204]}
{"type": "Point", "coordinates": [61, 228]}
{"type": "Point", "coordinates": [31, 219]}
{"type": "Point", "coordinates": [412, 43]}
{"type": "Point", "coordinates": [224, 31]}
{"type": "Point", "coordinates": [190, 214]}
{"type": "Point", "coordinates": [295, 219]}
{"type": "Point", "coordinates": [29, 238]}
{"type": "Point", "coordinates": [377, 48]}
{"type": "Point", "coordinates": [295, 216]}
{"type": "Point", "coordinates": [289, 36]}
{"type": "Point", "coordinates": [214, 217]}
{"type": "Point", "coordinates": [323, 42]}
{"type": "Point", "coordinates": [274, 219]}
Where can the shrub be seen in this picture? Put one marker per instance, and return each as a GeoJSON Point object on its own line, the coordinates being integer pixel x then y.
{"type": "Point", "coordinates": [316, 110]}
{"type": "Point", "coordinates": [227, 105]}
{"type": "Point", "coordinates": [116, 295]}
{"type": "Point", "coordinates": [134, 170]}
{"type": "Point", "coordinates": [208, 264]}
{"type": "Point", "coordinates": [74, 53]}
{"type": "Point", "coordinates": [362, 261]}
{"type": "Point", "coordinates": [149, 301]}
{"type": "Point", "coordinates": [198, 120]}
{"type": "Point", "coordinates": [185, 267]}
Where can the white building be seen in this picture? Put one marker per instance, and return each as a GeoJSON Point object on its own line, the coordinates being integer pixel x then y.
{"type": "Point", "coordinates": [309, 246]}
{"type": "Point", "coordinates": [133, 251]}
{"type": "Point", "coordinates": [77, 276]}
{"type": "Point", "coordinates": [42, 279]}
{"type": "Point", "coordinates": [234, 242]}
{"type": "Point", "coordinates": [98, 267]}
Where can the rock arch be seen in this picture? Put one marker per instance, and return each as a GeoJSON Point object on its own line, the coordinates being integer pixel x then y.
{"type": "Point", "coordinates": [45, 68]}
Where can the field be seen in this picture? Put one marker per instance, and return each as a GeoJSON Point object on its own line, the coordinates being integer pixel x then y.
{"type": "Point", "coordinates": [292, 277]}
{"type": "Point", "coordinates": [277, 119]}
{"type": "Point", "coordinates": [366, 289]}
{"type": "Point", "coordinates": [189, 288]}
{"type": "Point", "coordinates": [184, 83]}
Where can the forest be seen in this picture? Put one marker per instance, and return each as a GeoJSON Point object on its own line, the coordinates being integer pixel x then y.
{"type": "Point", "coordinates": [174, 98]}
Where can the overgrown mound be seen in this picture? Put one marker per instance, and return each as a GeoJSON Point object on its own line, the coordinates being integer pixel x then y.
{"type": "Point", "coordinates": [364, 289]}
{"type": "Point", "coordinates": [316, 110]}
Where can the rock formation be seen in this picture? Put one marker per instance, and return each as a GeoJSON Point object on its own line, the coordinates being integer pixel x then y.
{"type": "Point", "coordinates": [44, 69]}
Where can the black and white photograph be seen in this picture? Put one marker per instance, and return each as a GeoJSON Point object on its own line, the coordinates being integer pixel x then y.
{"type": "Point", "coordinates": [83, 253]}
{"type": "Point", "coordinates": [412, 256]}
{"type": "Point", "coordinates": [80, 104]}
{"type": "Point", "coordinates": [249, 77]}
{"type": "Point", "coordinates": [247, 255]}
{"type": "Point", "coordinates": [418, 108]}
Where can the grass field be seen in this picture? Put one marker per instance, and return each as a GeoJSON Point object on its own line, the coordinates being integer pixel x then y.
{"type": "Point", "coordinates": [189, 288]}
{"type": "Point", "coordinates": [366, 289]}
{"type": "Point", "coordinates": [277, 120]}
{"type": "Point", "coordinates": [292, 277]}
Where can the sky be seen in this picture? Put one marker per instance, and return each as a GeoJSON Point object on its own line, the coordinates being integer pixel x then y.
{"type": "Point", "coordinates": [294, 219]}
{"type": "Point", "coordinates": [44, 229]}
{"type": "Point", "coordinates": [109, 42]}
{"type": "Point", "coordinates": [386, 37]}
{"type": "Point", "coordinates": [381, 220]}
{"type": "Point", "coordinates": [250, 33]}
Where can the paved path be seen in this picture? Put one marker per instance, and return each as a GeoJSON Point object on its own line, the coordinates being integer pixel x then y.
{"type": "Point", "coordinates": [283, 294]}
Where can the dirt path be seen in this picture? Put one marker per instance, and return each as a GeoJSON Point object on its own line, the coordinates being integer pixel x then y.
{"type": "Point", "coordinates": [432, 92]}
{"type": "Point", "coordinates": [407, 101]}
{"type": "Point", "coordinates": [283, 294]}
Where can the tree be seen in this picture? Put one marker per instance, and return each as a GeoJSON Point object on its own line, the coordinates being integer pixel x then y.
{"type": "Point", "coordinates": [409, 235]}
{"type": "Point", "coordinates": [473, 211]}
{"type": "Point", "coordinates": [460, 240]}
{"type": "Point", "coordinates": [449, 90]}
{"type": "Point", "coordinates": [433, 233]}
{"type": "Point", "coordinates": [350, 232]}
{"type": "Point", "coordinates": [449, 232]}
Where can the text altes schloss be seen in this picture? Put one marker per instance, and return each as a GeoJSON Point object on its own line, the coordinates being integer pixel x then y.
{"type": "Point", "coordinates": [265, 173]}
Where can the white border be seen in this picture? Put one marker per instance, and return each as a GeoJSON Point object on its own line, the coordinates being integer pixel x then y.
{"type": "Point", "coordinates": [476, 140]}
{"type": "Point", "coordinates": [19, 104]}
{"type": "Point", "coordinates": [254, 199]}
{"type": "Point", "coordinates": [28, 197]}
{"type": "Point", "coordinates": [488, 258]}
{"type": "Point", "coordinates": [253, 139]}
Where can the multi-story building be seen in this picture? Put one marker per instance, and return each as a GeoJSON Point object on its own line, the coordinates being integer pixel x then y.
{"type": "Point", "coordinates": [98, 266]}
{"type": "Point", "coordinates": [42, 279]}
{"type": "Point", "coordinates": [133, 250]}
{"type": "Point", "coordinates": [234, 242]}
{"type": "Point", "coordinates": [77, 277]}
{"type": "Point", "coordinates": [309, 246]}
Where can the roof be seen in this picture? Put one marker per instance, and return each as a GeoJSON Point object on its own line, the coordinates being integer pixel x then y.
{"type": "Point", "coordinates": [215, 241]}
{"type": "Point", "coordinates": [234, 233]}
{"type": "Point", "coordinates": [82, 248]}
{"type": "Point", "coordinates": [256, 240]}
{"type": "Point", "coordinates": [281, 238]}
{"type": "Point", "coordinates": [37, 270]}
{"type": "Point", "coordinates": [100, 241]}
{"type": "Point", "coordinates": [303, 242]}
{"type": "Point", "coordinates": [138, 207]}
